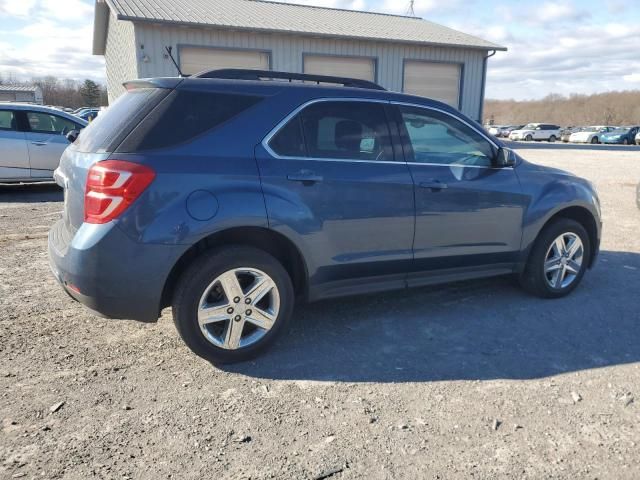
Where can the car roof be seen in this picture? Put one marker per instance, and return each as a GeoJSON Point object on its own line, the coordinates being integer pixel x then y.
{"type": "Point", "coordinates": [41, 108]}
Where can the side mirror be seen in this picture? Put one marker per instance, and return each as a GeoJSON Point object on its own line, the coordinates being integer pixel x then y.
{"type": "Point", "coordinates": [505, 157]}
{"type": "Point", "coordinates": [72, 135]}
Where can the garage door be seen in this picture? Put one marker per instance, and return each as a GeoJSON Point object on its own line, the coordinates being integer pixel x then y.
{"type": "Point", "coordinates": [197, 59]}
{"type": "Point", "coordinates": [351, 67]}
{"type": "Point", "coordinates": [440, 81]}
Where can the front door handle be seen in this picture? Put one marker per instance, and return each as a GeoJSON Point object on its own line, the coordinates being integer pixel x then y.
{"type": "Point", "coordinates": [306, 177]}
{"type": "Point", "coordinates": [39, 144]}
{"type": "Point", "coordinates": [433, 185]}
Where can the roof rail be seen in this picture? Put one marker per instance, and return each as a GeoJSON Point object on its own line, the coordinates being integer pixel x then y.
{"type": "Point", "coordinates": [241, 74]}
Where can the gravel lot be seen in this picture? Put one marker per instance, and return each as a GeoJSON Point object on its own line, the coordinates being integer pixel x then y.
{"type": "Point", "coordinates": [474, 379]}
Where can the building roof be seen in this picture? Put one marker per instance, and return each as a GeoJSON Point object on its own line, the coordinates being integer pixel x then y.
{"type": "Point", "coordinates": [266, 16]}
{"type": "Point", "coordinates": [19, 88]}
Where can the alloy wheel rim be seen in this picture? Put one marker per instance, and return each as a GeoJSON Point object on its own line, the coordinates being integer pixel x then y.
{"type": "Point", "coordinates": [238, 308]}
{"type": "Point", "coordinates": [563, 260]}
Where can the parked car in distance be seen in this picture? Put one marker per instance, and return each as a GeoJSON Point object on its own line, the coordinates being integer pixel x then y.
{"type": "Point", "coordinates": [503, 130]}
{"type": "Point", "coordinates": [88, 114]}
{"type": "Point", "coordinates": [621, 136]}
{"type": "Point", "coordinates": [227, 196]}
{"type": "Point", "coordinates": [536, 131]}
{"type": "Point", "coordinates": [590, 134]}
{"type": "Point", "coordinates": [496, 130]}
{"type": "Point", "coordinates": [566, 133]}
{"type": "Point", "coordinates": [32, 139]}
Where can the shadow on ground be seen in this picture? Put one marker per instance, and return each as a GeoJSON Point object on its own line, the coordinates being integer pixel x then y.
{"type": "Point", "coordinates": [569, 146]}
{"type": "Point", "coordinates": [478, 330]}
{"type": "Point", "coordinates": [31, 193]}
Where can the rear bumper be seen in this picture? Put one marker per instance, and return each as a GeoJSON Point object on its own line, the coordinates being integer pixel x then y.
{"type": "Point", "coordinates": [109, 273]}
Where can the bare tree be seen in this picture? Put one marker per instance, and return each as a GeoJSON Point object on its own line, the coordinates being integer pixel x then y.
{"type": "Point", "coordinates": [611, 108]}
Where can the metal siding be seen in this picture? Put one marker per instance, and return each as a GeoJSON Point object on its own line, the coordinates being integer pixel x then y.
{"type": "Point", "coordinates": [120, 56]}
{"type": "Point", "coordinates": [287, 54]}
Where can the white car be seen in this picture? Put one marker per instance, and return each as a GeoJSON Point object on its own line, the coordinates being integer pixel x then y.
{"type": "Point", "coordinates": [590, 134]}
{"type": "Point", "coordinates": [536, 131]}
{"type": "Point", "coordinates": [638, 138]}
{"type": "Point", "coordinates": [496, 130]}
{"type": "Point", "coordinates": [32, 139]}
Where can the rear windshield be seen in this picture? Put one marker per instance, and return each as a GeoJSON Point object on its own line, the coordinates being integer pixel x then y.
{"type": "Point", "coordinates": [109, 128]}
{"type": "Point", "coordinates": [182, 116]}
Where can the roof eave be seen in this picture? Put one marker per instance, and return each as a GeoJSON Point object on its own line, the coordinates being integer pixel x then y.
{"type": "Point", "coordinates": [486, 48]}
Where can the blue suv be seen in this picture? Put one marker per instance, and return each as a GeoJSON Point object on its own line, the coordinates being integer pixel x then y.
{"type": "Point", "coordinates": [230, 194]}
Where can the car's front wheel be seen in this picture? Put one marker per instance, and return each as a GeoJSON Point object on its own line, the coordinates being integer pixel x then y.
{"type": "Point", "coordinates": [231, 303]}
{"type": "Point", "coordinates": [552, 138]}
{"type": "Point", "coordinates": [558, 261]}
{"type": "Point", "coordinates": [595, 140]}
{"type": "Point", "coordinates": [528, 138]}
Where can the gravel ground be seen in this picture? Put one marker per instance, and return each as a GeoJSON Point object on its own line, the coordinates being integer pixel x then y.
{"type": "Point", "coordinates": [473, 379]}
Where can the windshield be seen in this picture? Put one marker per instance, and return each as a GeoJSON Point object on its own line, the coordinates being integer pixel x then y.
{"type": "Point", "coordinates": [530, 126]}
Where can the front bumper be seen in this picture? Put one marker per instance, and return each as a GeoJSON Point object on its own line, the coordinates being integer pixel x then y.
{"type": "Point", "coordinates": [109, 273]}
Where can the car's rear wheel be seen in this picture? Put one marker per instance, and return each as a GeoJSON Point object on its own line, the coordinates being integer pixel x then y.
{"type": "Point", "coordinates": [232, 303]}
{"type": "Point", "coordinates": [558, 261]}
{"type": "Point", "coordinates": [625, 142]}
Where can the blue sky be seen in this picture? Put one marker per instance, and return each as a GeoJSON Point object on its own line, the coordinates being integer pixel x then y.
{"type": "Point", "coordinates": [562, 46]}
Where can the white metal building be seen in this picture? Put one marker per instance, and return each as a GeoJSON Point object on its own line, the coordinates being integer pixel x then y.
{"type": "Point", "coordinates": [401, 53]}
{"type": "Point", "coordinates": [21, 93]}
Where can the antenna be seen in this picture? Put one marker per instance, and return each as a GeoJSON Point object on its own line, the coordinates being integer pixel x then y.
{"type": "Point", "coordinates": [168, 49]}
{"type": "Point", "coordinates": [410, 11]}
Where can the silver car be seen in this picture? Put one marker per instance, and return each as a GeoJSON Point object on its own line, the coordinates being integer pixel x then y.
{"type": "Point", "coordinates": [32, 139]}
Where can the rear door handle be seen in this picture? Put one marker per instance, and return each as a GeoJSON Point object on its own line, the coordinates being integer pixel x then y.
{"type": "Point", "coordinates": [433, 185]}
{"type": "Point", "coordinates": [305, 176]}
{"type": "Point", "coordinates": [39, 144]}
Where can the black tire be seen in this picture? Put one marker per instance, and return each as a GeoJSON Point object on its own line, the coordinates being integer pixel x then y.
{"type": "Point", "coordinates": [625, 142]}
{"type": "Point", "coordinates": [552, 138]}
{"type": "Point", "coordinates": [202, 272]}
{"type": "Point", "coordinates": [595, 141]}
{"type": "Point", "coordinates": [528, 138]}
{"type": "Point", "coordinates": [533, 279]}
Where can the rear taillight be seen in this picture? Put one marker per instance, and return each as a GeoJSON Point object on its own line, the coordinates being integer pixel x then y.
{"type": "Point", "coordinates": [112, 186]}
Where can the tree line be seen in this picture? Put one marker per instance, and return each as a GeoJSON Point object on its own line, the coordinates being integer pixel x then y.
{"type": "Point", "coordinates": [65, 92]}
{"type": "Point", "coordinates": [611, 108]}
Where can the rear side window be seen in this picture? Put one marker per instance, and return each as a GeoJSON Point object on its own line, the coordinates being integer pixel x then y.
{"type": "Point", "coordinates": [184, 115]}
{"type": "Point", "coordinates": [337, 130]}
{"type": "Point", "coordinates": [7, 120]}
{"type": "Point", "coordinates": [109, 128]}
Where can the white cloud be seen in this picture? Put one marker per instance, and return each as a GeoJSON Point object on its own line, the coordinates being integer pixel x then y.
{"type": "Point", "coordinates": [16, 8]}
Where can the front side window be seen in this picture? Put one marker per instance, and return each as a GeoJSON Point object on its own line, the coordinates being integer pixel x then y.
{"type": "Point", "coordinates": [437, 138]}
{"type": "Point", "coordinates": [337, 130]}
{"type": "Point", "coordinates": [8, 120]}
{"type": "Point", "coordinates": [42, 122]}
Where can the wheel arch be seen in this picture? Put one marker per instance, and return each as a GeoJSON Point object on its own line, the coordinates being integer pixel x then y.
{"type": "Point", "coordinates": [584, 217]}
{"type": "Point", "coordinates": [276, 244]}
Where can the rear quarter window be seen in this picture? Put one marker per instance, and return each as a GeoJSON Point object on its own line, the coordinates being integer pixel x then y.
{"type": "Point", "coordinates": [109, 128]}
{"type": "Point", "coordinates": [184, 115]}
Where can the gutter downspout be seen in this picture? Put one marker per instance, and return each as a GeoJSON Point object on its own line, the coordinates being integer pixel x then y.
{"type": "Point", "coordinates": [484, 83]}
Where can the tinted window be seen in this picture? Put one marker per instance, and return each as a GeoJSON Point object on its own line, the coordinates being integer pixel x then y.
{"type": "Point", "coordinates": [109, 128]}
{"type": "Point", "coordinates": [183, 115]}
{"type": "Point", "coordinates": [42, 122]}
{"type": "Point", "coordinates": [288, 142]}
{"type": "Point", "coordinates": [349, 130]}
{"type": "Point", "coordinates": [7, 120]}
{"type": "Point", "coordinates": [437, 138]}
